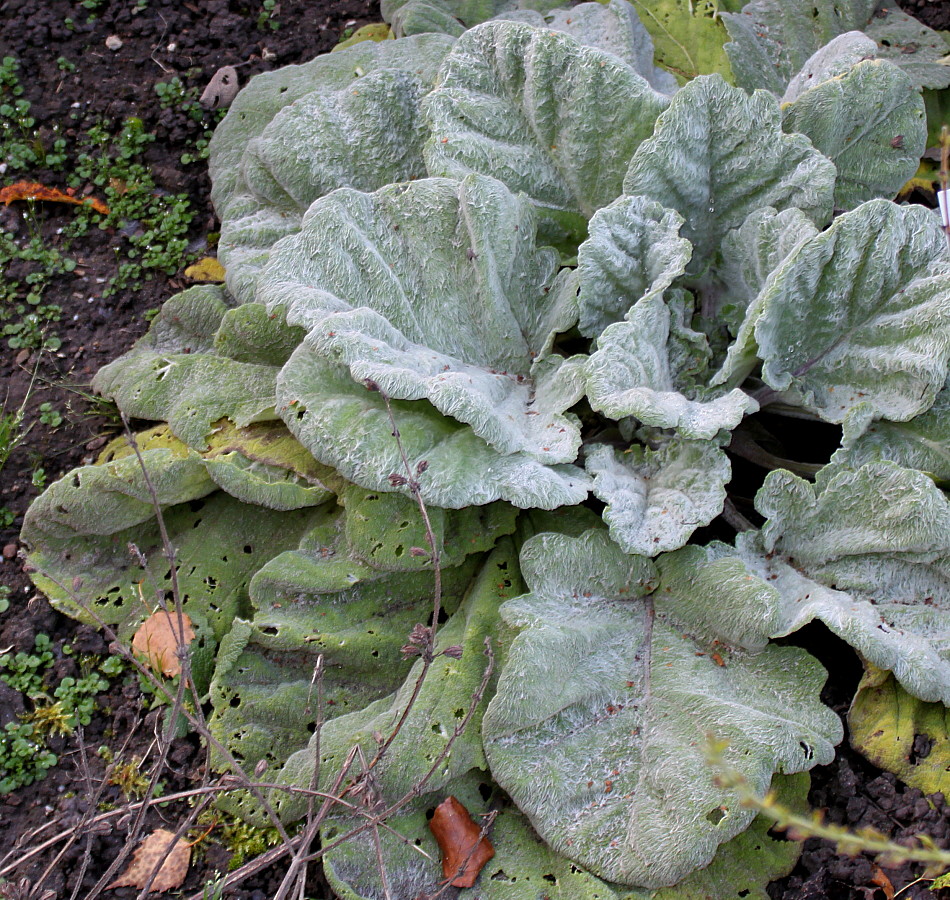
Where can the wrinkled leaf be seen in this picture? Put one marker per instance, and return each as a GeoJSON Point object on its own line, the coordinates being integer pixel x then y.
{"type": "Point", "coordinates": [634, 252]}
{"type": "Point", "coordinates": [346, 426]}
{"type": "Point", "coordinates": [549, 117]}
{"type": "Point", "coordinates": [697, 162]}
{"type": "Point", "coordinates": [329, 84]}
{"type": "Point", "coordinates": [920, 443]}
{"type": "Point", "coordinates": [441, 707]}
{"type": "Point", "coordinates": [772, 40]}
{"type": "Point", "coordinates": [166, 375]}
{"type": "Point", "coordinates": [642, 368]}
{"type": "Point", "coordinates": [858, 317]}
{"type": "Point", "coordinates": [657, 499]}
{"type": "Point", "coordinates": [870, 123]}
{"type": "Point", "coordinates": [616, 28]}
{"type": "Point", "coordinates": [597, 727]}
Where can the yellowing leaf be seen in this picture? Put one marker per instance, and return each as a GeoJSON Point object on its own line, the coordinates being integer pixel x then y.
{"type": "Point", "coordinates": [207, 269]}
{"type": "Point", "coordinates": [146, 857]}
{"type": "Point", "coordinates": [157, 640]}
{"type": "Point", "coordinates": [900, 733]}
{"type": "Point", "coordinates": [377, 31]}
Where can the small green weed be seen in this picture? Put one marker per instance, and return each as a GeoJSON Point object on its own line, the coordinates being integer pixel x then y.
{"type": "Point", "coordinates": [267, 17]}
{"type": "Point", "coordinates": [5, 589]}
{"type": "Point", "coordinates": [155, 226]}
{"type": "Point", "coordinates": [24, 756]}
{"type": "Point", "coordinates": [50, 416]}
{"type": "Point", "coordinates": [20, 147]}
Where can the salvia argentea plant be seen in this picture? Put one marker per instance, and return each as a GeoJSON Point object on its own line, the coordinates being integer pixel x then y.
{"type": "Point", "coordinates": [579, 293]}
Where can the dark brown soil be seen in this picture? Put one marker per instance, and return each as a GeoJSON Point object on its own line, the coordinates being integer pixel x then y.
{"type": "Point", "coordinates": [168, 37]}
{"type": "Point", "coordinates": [193, 39]}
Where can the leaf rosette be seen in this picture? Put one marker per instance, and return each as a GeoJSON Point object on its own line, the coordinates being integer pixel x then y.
{"type": "Point", "coordinates": [498, 266]}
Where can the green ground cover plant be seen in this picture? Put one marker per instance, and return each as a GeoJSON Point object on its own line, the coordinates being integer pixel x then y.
{"type": "Point", "coordinates": [56, 709]}
{"type": "Point", "coordinates": [505, 303]}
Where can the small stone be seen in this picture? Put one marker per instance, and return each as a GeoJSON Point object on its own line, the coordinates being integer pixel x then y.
{"type": "Point", "coordinates": [9, 551]}
{"type": "Point", "coordinates": [114, 42]}
{"type": "Point", "coordinates": [97, 443]}
{"type": "Point", "coordinates": [22, 357]}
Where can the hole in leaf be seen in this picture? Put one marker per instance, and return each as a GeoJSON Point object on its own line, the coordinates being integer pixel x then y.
{"type": "Point", "coordinates": [501, 876]}
{"type": "Point", "coordinates": [460, 713]}
{"type": "Point", "coordinates": [550, 878]}
{"type": "Point", "coordinates": [399, 550]}
{"type": "Point", "coordinates": [485, 790]}
{"type": "Point", "coordinates": [443, 616]}
{"type": "Point", "coordinates": [248, 548]}
{"type": "Point", "coordinates": [715, 816]}
{"type": "Point", "coordinates": [806, 749]}
{"type": "Point", "coordinates": [923, 744]}
{"type": "Point", "coordinates": [235, 702]}
{"type": "Point", "coordinates": [269, 629]}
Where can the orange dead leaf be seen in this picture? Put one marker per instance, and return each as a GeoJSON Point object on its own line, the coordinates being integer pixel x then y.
{"type": "Point", "coordinates": [883, 882]}
{"type": "Point", "coordinates": [157, 640]}
{"type": "Point", "coordinates": [464, 850]}
{"type": "Point", "coordinates": [146, 857]}
{"type": "Point", "coordinates": [30, 190]}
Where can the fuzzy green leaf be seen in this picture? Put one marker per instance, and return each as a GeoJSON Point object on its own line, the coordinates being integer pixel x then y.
{"type": "Point", "coordinates": [597, 727]}
{"type": "Point", "coordinates": [697, 162]}
{"type": "Point", "coordinates": [345, 134]}
{"type": "Point", "coordinates": [858, 318]}
{"type": "Point", "coordinates": [549, 117]}
{"type": "Point", "coordinates": [657, 499]}
{"type": "Point", "coordinates": [440, 708]}
{"type": "Point", "coordinates": [921, 443]}
{"type": "Point", "coordinates": [867, 552]}
{"type": "Point", "coordinates": [641, 368]}
{"type": "Point", "coordinates": [634, 252]}
{"type": "Point", "coordinates": [870, 123]}
{"type": "Point", "coordinates": [165, 376]}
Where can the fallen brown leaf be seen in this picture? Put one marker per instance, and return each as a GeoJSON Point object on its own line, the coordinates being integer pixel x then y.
{"type": "Point", "coordinates": [30, 190]}
{"type": "Point", "coordinates": [146, 857]}
{"type": "Point", "coordinates": [157, 640]}
{"type": "Point", "coordinates": [221, 90]}
{"type": "Point", "coordinates": [883, 882]}
{"type": "Point", "coordinates": [464, 850]}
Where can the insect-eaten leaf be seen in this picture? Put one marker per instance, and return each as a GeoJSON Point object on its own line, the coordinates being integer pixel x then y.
{"type": "Point", "coordinates": [157, 640]}
{"type": "Point", "coordinates": [464, 849]}
{"type": "Point", "coordinates": [206, 270]}
{"type": "Point", "coordinates": [172, 872]}
{"type": "Point", "coordinates": [30, 190]}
